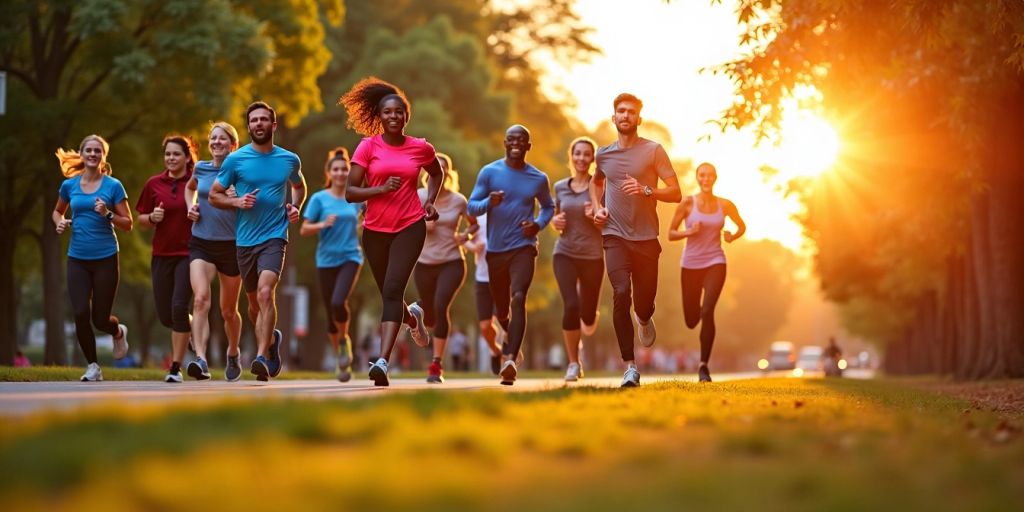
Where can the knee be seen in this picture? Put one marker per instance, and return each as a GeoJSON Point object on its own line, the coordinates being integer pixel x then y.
{"type": "Point", "coordinates": [621, 296]}
{"type": "Point", "coordinates": [518, 299]}
{"type": "Point", "coordinates": [229, 315]}
{"type": "Point", "coordinates": [707, 315]}
{"type": "Point", "coordinates": [692, 322]}
{"type": "Point", "coordinates": [201, 303]}
{"type": "Point", "coordinates": [265, 296]}
{"type": "Point", "coordinates": [392, 291]}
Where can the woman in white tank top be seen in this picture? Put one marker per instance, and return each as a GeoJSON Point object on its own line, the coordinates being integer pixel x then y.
{"type": "Point", "coordinates": [703, 263]}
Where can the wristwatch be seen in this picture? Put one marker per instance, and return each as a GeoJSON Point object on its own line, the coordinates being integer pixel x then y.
{"type": "Point", "coordinates": [648, 191]}
{"type": "Point", "coordinates": [109, 215]}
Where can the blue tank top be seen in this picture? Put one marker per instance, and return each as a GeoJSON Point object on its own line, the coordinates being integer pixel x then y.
{"type": "Point", "coordinates": [704, 249]}
{"type": "Point", "coordinates": [214, 223]}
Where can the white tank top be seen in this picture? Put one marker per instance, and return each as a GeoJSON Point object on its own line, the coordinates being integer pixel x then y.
{"type": "Point", "coordinates": [704, 249]}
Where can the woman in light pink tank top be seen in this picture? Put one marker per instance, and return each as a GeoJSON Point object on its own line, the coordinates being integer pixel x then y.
{"type": "Point", "coordinates": [703, 263]}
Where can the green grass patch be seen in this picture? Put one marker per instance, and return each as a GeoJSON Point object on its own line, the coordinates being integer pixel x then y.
{"type": "Point", "coordinates": [782, 444]}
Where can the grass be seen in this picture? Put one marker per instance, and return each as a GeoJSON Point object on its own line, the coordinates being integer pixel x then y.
{"type": "Point", "coordinates": [773, 444]}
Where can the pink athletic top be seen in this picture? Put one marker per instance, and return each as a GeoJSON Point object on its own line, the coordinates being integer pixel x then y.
{"type": "Point", "coordinates": [393, 211]}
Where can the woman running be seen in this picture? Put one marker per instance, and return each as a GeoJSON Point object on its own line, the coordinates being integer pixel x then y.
{"type": "Point", "coordinates": [578, 259]}
{"type": "Point", "coordinates": [338, 258]}
{"type": "Point", "coordinates": [161, 206]}
{"type": "Point", "coordinates": [703, 262]}
{"type": "Point", "coordinates": [482, 288]}
{"type": "Point", "coordinates": [212, 254]}
{"type": "Point", "coordinates": [385, 170]}
{"type": "Point", "coordinates": [441, 268]}
{"type": "Point", "coordinates": [98, 203]}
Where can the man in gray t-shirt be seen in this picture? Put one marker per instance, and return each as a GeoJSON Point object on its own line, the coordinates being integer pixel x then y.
{"type": "Point", "coordinates": [625, 190]}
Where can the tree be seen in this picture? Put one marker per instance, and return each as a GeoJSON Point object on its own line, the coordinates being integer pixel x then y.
{"type": "Point", "coordinates": [132, 70]}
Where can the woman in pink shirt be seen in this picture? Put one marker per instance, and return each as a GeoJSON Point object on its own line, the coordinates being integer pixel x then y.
{"type": "Point", "coordinates": [385, 170]}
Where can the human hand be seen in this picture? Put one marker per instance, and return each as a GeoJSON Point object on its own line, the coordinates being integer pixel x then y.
{"type": "Point", "coordinates": [728, 236]}
{"type": "Point", "coordinates": [391, 184]}
{"type": "Point", "coordinates": [497, 197]}
{"type": "Point", "coordinates": [329, 221]}
{"type": "Point", "coordinates": [558, 221]}
{"type": "Point", "coordinates": [293, 213]}
{"type": "Point", "coordinates": [63, 225]}
{"type": "Point", "coordinates": [193, 213]}
{"type": "Point", "coordinates": [601, 216]}
{"type": "Point", "coordinates": [247, 201]}
{"type": "Point", "coordinates": [529, 227]}
{"type": "Point", "coordinates": [432, 214]}
{"type": "Point", "coordinates": [631, 187]}
{"type": "Point", "coordinates": [157, 215]}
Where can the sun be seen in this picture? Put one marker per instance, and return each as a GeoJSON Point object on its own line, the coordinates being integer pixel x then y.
{"type": "Point", "coordinates": [809, 146]}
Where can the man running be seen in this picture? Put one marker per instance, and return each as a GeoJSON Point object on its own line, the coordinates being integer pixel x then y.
{"type": "Point", "coordinates": [627, 215]}
{"type": "Point", "coordinates": [507, 190]}
{"type": "Point", "coordinates": [261, 172]}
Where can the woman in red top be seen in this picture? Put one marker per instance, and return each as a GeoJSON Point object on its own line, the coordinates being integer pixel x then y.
{"type": "Point", "coordinates": [161, 206]}
{"type": "Point", "coordinates": [385, 170]}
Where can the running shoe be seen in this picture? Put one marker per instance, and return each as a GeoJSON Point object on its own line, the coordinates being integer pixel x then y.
{"type": "Point", "coordinates": [703, 375]}
{"type": "Point", "coordinates": [345, 360]}
{"type": "Point", "coordinates": [435, 373]}
{"type": "Point", "coordinates": [174, 376]}
{"type": "Point", "coordinates": [379, 373]}
{"type": "Point", "coordinates": [419, 333]}
{"type": "Point", "coordinates": [646, 331]}
{"type": "Point", "coordinates": [508, 373]}
{"type": "Point", "coordinates": [93, 373]}
{"type": "Point", "coordinates": [589, 330]}
{"type": "Point", "coordinates": [233, 370]}
{"type": "Point", "coordinates": [274, 361]}
{"type": "Point", "coordinates": [574, 372]}
{"type": "Point", "coordinates": [198, 369]}
{"type": "Point", "coordinates": [121, 344]}
{"type": "Point", "coordinates": [631, 378]}
{"type": "Point", "coordinates": [260, 369]}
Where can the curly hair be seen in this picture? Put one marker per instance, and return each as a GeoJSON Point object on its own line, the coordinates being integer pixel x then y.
{"type": "Point", "coordinates": [363, 101]}
{"type": "Point", "coordinates": [338, 153]}
{"type": "Point", "coordinates": [72, 164]}
{"type": "Point", "coordinates": [187, 144]}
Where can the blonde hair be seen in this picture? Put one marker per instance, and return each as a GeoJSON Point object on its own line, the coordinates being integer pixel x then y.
{"type": "Point", "coordinates": [228, 129]}
{"type": "Point", "coordinates": [572, 146]}
{"type": "Point", "coordinates": [451, 181]}
{"type": "Point", "coordinates": [72, 164]}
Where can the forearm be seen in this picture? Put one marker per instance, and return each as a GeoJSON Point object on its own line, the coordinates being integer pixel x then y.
{"type": "Point", "coordinates": [56, 217]}
{"type": "Point", "coordinates": [597, 192]}
{"type": "Point", "coordinates": [354, 194]}
{"type": "Point", "coordinates": [220, 199]}
{"type": "Point", "coordinates": [123, 222]}
{"type": "Point", "coordinates": [310, 228]}
{"type": "Point", "coordinates": [669, 194]}
{"type": "Point", "coordinates": [145, 221]}
{"type": "Point", "coordinates": [298, 196]}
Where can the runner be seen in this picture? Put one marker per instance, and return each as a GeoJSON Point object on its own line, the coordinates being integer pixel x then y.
{"type": "Point", "coordinates": [441, 268]}
{"type": "Point", "coordinates": [578, 259]}
{"type": "Point", "coordinates": [161, 206]}
{"type": "Point", "coordinates": [703, 262]}
{"type": "Point", "coordinates": [482, 288]}
{"type": "Point", "coordinates": [212, 253]}
{"type": "Point", "coordinates": [627, 215]}
{"type": "Point", "coordinates": [90, 191]}
{"type": "Point", "coordinates": [338, 257]}
{"type": "Point", "coordinates": [512, 235]}
{"type": "Point", "coordinates": [261, 172]}
{"type": "Point", "coordinates": [385, 170]}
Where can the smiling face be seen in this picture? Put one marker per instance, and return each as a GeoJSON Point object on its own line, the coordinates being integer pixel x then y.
{"type": "Point", "coordinates": [706, 177]}
{"type": "Point", "coordinates": [175, 157]}
{"type": "Point", "coordinates": [393, 116]}
{"type": "Point", "coordinates": [94, 155]}
{"type": "Point", "coordinates": [338, 172]}
{"type": "Point", "coordinates": [582, 157]}
{"type": "Point", "coordinates": [517, 142]}
{"type": "Point", "coordinates": [261, 126]}
{"type": "Point", "coordinates": [221, 144]}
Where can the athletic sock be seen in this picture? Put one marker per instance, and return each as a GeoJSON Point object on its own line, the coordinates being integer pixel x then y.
{"type": "Point", "coordinates": [436, 360]}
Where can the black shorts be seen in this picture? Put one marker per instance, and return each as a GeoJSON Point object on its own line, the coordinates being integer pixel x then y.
{"type": "Point", "coordinates": [221, 253]}
{"type": "Point", "coordinates": [252, 261]}
{"type": "Point", "coordinates": [484, 301]}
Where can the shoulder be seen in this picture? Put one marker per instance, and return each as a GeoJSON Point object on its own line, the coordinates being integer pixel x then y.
{"type": "Point", "coordinates": [605, 149]}
{"type": "Point", "coordinates": [727, 205]}
{"type": "Point", "coordinates": [318, 195]}
{"type": "Point", "coordinates": [204, 165]}
{"type": "Point", "coordinates": [113, 182]}
{"type": "Point", "coordinates": [562, 184]}
{"type": "Point", "coordinates": [459, 199]}
{"type": "Point", "coordinates": [418, 142]}
{"type": "Point", "coordinates": [492, 167]}
{"type": "Point", "coordinates": [284, 153]}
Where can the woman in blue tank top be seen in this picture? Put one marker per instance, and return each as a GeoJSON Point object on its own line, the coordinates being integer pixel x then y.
{"type": "Point", "coordinates": [98, 204]}
{"type": "Point", "coordinates": [703, 264]}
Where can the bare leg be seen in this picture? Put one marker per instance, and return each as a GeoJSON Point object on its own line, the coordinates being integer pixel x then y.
{"type": "Point", "coordinates": [229, 289]}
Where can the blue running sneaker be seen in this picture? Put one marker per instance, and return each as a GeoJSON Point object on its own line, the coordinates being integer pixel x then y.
{"type": "Point", "coordinates": [274, 361]}
{"type": "Point", "coordinates": [260, 369]}
{"type": "Point", "coordinates": [198, 369]}
{"type": "Point", "coordinates": [233, 370]}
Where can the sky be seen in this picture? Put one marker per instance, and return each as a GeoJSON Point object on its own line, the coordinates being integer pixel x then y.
{"type": "Point", "coordinates": [656, 51]}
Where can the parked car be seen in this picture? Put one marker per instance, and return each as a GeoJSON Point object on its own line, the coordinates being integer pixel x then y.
{"type": "Point", "coordinates": [810, 358]}
{"type": "Point", "coordinates": [781, 356]}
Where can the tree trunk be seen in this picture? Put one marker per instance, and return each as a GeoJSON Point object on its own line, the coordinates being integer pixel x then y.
{"type": "Point", "coordinates": [8, 299]}
{"type": "Point", "coordinates": [53, 290]}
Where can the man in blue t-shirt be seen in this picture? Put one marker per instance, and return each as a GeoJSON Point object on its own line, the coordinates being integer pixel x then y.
{"type": "Point", "coordinates": [261, 172]}
{"type": "Point", "coordinates": [508, 191]}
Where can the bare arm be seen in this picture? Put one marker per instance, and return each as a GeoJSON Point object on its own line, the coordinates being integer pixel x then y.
{"type": "Point", "coordinates": [220, 199]}
{"type": "Point", "coordinates": [59, 222]}
{"type": "Point", "coordinates": [190, 192]}
{"type": "Point", "coordinates": [597, 186]}
{"type": "Point", "coordinates": [357, 190]}
{"type": "Point", "coordinates": [669, 193]}
{"type": "Point", "coordinates": [122, 216]}
{"type": "Point", "coordinates": [733, 213]}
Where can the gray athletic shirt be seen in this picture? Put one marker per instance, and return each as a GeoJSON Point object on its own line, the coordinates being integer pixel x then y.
{"type": "Point", "coordinates": [632, 217]}
{"type": "Point", "coordinates": [581, 238]}
{"type": "Point", "coordinates": [440, 245]}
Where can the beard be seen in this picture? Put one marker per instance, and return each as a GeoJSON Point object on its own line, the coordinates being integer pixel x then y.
{"type": "Point", "coordinates": [267, 137]}
{"type": "Point", "coordinates": [628, 131]}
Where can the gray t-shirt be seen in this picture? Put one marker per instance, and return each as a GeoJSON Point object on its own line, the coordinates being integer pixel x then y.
{"type": "Point", "coordinates": [214, 223]}
{"type": "Point", "coordinates": [632, 217]}
{"type": "Point", "coordinates": [440, 245]}
{"type": "Point", "coordinates": [581, 238]}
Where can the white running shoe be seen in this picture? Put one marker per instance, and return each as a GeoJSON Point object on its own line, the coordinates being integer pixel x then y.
{"type": "Point", "coordinates": [419, 333]}
{"type": "Point", "coordinates": [508, 373]}
{"type": "Point", "coordinates": [379, 373]}
{"type": "Point", "coordinates": [93, 373]}
{"type": "Point", "coordinates": [646, 331]}
{"type": "Point", "coordinates": [589, 330]}
{"type": "Point", "coordinates": [121, 345]}
{"type": "Point", "coordinates": [631, 378]}
{"type": "Point", "coordinates": [574, 373]}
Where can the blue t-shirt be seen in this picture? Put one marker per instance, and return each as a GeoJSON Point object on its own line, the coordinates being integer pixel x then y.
{"type": "Point", "coordinates": [214, 223]}
{"type": "Point", "coordinates": [523, 189]}
{"type": "Point", "coordinates": [92, 235]}
{"type": "Point", "coordinates": [249, 170]}
{"type": "Point", "coordinates": [340, 242]}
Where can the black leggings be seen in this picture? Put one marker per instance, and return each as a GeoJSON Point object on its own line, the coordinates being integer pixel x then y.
{"type": "Point", "coordinates": [336, 284]}
{"type": "Point", "coordinates": [710, 280]}
{"type": "Point", "coordinates": [172, 291]}
{"type": "Point", "coordinates": [510, 274]}
{"type": "Point", "coordinates": [392, 257]}
{"type": "Point", "coordinates": [579, 281]}
{"type": "Point", "coordinates": [633, 272]}
{"type": "Point", "coordinates": [92, 285]}
{"type": "Point", "coordinates": [437, 286]}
